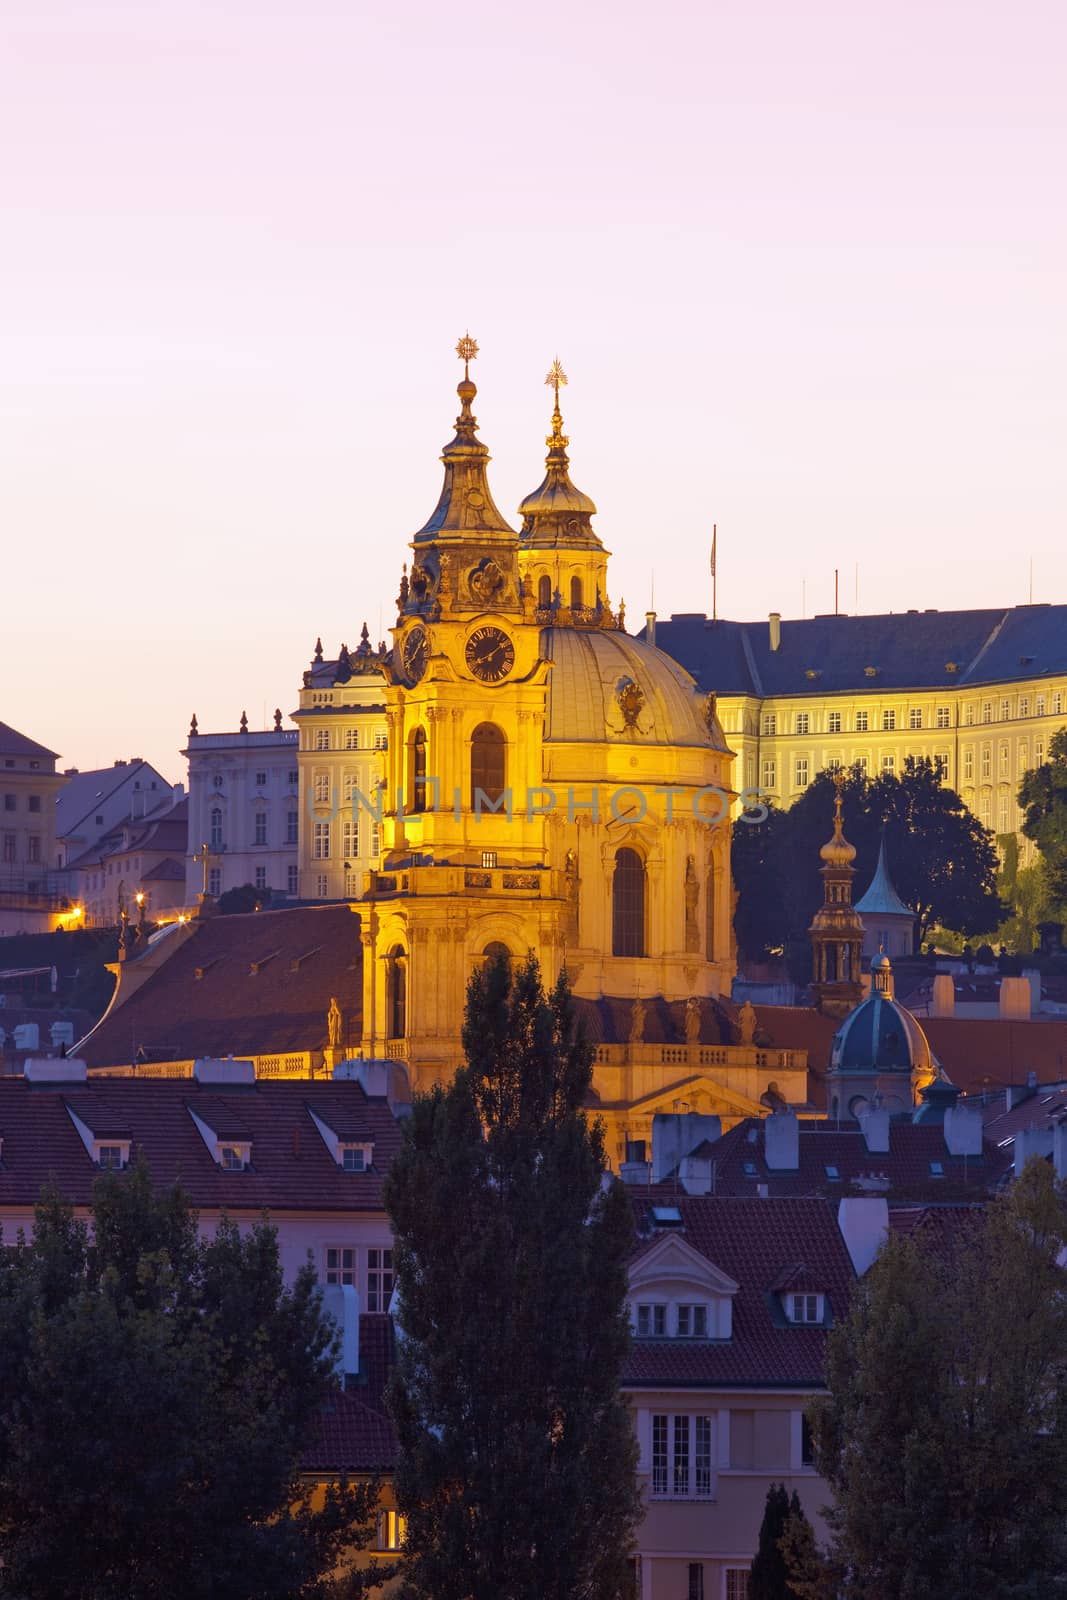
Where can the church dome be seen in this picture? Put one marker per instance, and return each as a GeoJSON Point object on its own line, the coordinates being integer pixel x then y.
{"type": "Point", "coordinates": [607, 687]}
{"type": "Point", "coordinates": [881, 1035]}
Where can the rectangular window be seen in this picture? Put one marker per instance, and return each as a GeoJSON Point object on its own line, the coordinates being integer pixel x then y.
{"type": "Point", "coordinates": [651, 1321]}
{"type": "Point", "coordinates": [769, 725]}
{"type": "Point", "coordinates": [889, 720]}
{"type": "Point", "coordinates": [692, 1322]}
{"type": "Point", "coordinates": [261, 877]}
{"type": "Point", "coordinates": [321, 789]}
{"type": "Point", "coordinates": [294, 777]}
{"type": "Point", "coordinates": [353, 883]}
{"type": "Point", "coordinates": [968, 714]}
{"type": "Point", "coordinates": [292, 827]}
{"type": "Point", "coordinates": [34, 802]}
{"type": "Point", "coordinates": [833, 722]}
{"type": "Point", "coordinates": [800, 772]}
{"type": "Point", "coordinates": [807, 1443]}
{"type": "Point", "coordinates": [941, 763]}
{"type": "Point", "coordinates": [1040, 706]}
{"type": "Point", "coordinates": [490, 858]}
{"type": "Point", "coordinates": [379, 1279]}
{"type": "Point", "coordinates": [340, 1264]}
{"type": "Point", "coordinates": [292, 880]}
{"type": "Point", "coordinates": [351, 738]}
{"type": "Point", "coordinates": [1003, 825]}
{"type": "Point", "coordinates": [214, 880]}
{"type": "Point", "coordinates": [260, 835]}
{"type": "Point", "coordinates": [353, 1158]}
{"type": "Point", "coordinates": [803, 722]}
{"type": "Point", "coordinates": [348, 783]}
{"type": "Point", "coordinates": [862, 763]}
{"type": "Point", "coordinates": [33, 848]}
{"type": "Point", "coordinates": [889, 763]}
{"type": "Point", "coordinates": [321, 842]}
{"type": "Point", "coordinates": [805, 1308]}
{"type": "Point", "coordinates": [987, 761]}
{"type": "Point", "coordinates": [987, 710]}
{"type": "Point", "coordinates": [381, 741]}
{"type": "Point", "coordinates": [770, 773]}
{"type": "Point", "coordinates": [681, 1457]}
{"type": "Point", "coordinates": [1024, 705]}
{"type": "Point", "coordinates": [736, 1583]}
{"type": "Point", "coordinates": [1005, 761]}
{"type": "Point", "coordinates": [943, 717]}
{"type": "Point", "coordinates": [350, 839]}
{"type": "Point", "coordinates": [261, 780]}
{"type": "Point", "coordinates": [231, 1158]}
{"type": "Point", "coordinates": [968, 763]}
{"type": "Point", "coordinates": [322, 883]}
{"type": "Point", "coordinates": [110, 1158]}
{"type": "Point", "coordinates": [322, 738]}
{"type": "Point", "coordinates": [696, 1580]}
{"type": "Point", "coordinates": [9, 802]}
{"type": "Point", "coordinates": [1057, 702]}
{"type": "Point", "coordinates": [915, 717]}
{"type": "Point", "coordinates": [392, 1530]}
{"type": "Point", "coordinates": [1039, 752]}
{"type": "Point", "coordinates": [1005, 710]}
{"type": "Point", "coordinates": [862, 721]}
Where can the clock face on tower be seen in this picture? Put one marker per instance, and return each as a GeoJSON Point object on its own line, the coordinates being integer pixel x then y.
{"type": "Point", "coordinates": [490, 654]}
{"type": "Point", "coordinates": [415, 650]}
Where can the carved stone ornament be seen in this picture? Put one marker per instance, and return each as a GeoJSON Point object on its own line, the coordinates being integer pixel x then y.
{"type": "Point", "coordinates": [637, 1021]}
{"type": "Point", "coordinates": [692, 1020]}
{"type": "Point", "coordinates": [630, 698]}
{"type": "Point", "coordinates": [746, 1022]}
{"type": "Point", "coordinates": [692, 896]}
{"type": "Point", "coordinates": [421, 582]}
{"type": "Point", "coordinates": [486, 582]}
{"type": "Point", "coordinates": [711, 704]}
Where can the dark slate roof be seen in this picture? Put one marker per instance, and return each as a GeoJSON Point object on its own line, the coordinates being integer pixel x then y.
{"type": "Point", "coordinates": [85, 792]}
{"type": "Point", "coordinates": [303, 957]}
{"type": "Point", "coordinates": [354, 1432]}
{"type": "Point", "coordinates": [912, 649]}
{"type": "Point", "coordinates": [754, 1242]}
{"type": "Point", "coordinates": [13, 743]}
{"type": "Point", "coordinates": [291, 1167]}
{"type": "Point", "coordinates": [906, 1165]}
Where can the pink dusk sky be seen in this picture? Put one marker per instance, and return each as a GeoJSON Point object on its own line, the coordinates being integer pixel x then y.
{"type": "Point", "coordinates": [804, 265]}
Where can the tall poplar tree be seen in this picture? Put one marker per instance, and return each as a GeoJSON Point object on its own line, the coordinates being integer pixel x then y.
{"type": "Point", "coordinates": [517, 1455]}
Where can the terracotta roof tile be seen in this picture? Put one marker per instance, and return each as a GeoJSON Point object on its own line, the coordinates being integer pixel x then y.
{"type": "Point", "coordinates": [354, 1432]}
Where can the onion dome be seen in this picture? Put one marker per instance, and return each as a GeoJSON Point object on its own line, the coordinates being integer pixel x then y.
{"type": "Point", "coordinates": [557, 513]}
{"type": "Point", "coordinates": [837, 852]}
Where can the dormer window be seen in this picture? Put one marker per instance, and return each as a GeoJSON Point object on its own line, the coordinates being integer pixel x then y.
{"type": "Point", "coordinates": [112, 1157]}
{"type": "Point", "coordinates": [356, 1157]}
{"type": "Point", "coordinates": [651, 1321]}
{"type": "Point", "coordinates": [692, 1322]}
{"type": "Point", "coordinates": [234, 1157]}
{"type": "Point", "coordinates": [806, 1308]}
{"type": "Point", "coordinates": [937, 1169]}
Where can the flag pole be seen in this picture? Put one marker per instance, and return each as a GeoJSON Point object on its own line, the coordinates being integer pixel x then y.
{"type": "Point", "coordinates": [714, 575]}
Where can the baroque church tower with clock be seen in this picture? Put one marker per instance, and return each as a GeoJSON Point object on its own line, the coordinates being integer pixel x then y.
{"type": "Point", "coordinates": [550, 785]}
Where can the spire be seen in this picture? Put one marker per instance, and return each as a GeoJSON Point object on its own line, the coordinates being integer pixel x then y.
{"type": "Point", "coordinates": [882, 973]}
{"type": "Point", "coordinates": [466, 507]}
{"type": "Point", "coordinates": [881, 898]}
{"type": "Point", "coordinates": [556, 513]}
{"type": "Point", "coordinates": [837, 852]}
{"type": "Point", "coordinates": [836, 930]}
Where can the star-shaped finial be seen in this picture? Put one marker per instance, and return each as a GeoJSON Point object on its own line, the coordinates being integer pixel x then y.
{"type": "Point", "coordinates": [556, 378]}
{"type": "Point", "coordinates": [466, 350]}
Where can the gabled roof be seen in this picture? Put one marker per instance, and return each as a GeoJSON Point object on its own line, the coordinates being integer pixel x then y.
{"type": "Point", "coordinates": [354, 1432]}
{"type": "Point", "coordinates": [85, 792]}
{"type": "Point", "coordinates": [259, 984]}
{"type": "Point", "coordinates": [291, 1166]}
{"type": "Point", "coordinates": [752, 1242]}
{"type": "Point", "coordinates": [13, 743]}
{"type": "Point", "coordinates": [907, 650]}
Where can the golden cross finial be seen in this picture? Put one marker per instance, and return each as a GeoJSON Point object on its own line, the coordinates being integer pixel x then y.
{"type": "Point", "coordinates": [556, 378]}
{"type": "Point", "coordinates": [466, 350]}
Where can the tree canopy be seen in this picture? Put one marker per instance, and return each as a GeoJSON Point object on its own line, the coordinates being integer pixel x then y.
{"type": "Point", "coordinates": [782, 1537]}
{"type": "Point", "coordinates": [943, 862]}
{"type": "Point", "coordinates": [156, 1391]}
{"type": "Point", "coordinates": [944, 1433]}
{"type": "Point", "coordinates": [517, 1456]}
{"type": "Point", "coordinates": [1043, 797]}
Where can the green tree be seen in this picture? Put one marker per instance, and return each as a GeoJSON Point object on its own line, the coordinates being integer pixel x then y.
{"type": "Point", "coordinates": [768, 1577]}
{"type": "Point", "coordinates": [942, 860]}
{"type": "Point", "coordinates": [517, 1457]}
{"type": "Point", "coordinates": [1043, 797]}
{"type": "Point", "coordinates": [944, 1433]}
{"type": "Point", "coordinates": [245, 897]}
{"type": "Point", "coordinates": [156, 1392]}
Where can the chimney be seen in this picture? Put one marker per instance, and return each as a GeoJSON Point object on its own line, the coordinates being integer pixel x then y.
{"type": "Point", "coordinates": [963, 1130]}
{"type": "Point", "coordinates": [341, 1302]}
{"type": "Point", "coordinates": [650, 627]}
{"type": "Point", "coordinates": [697, 1175]}
{"type": "Point", "coordinates": [1016, 1093]}
{"type": "Point", "coordinates": [781, 1141]}
{"type": "Point", "coordinates": [636, 1168]}
{"type": "Point", "coordinates": [875, 1127]}
{"type": "Point", "coordinates": [1015, 996]}
{"type": "Point", "coordinates": [775, 620]}
{"type": "Point", "coordinates": [864, 1224]}
{"type": "Point", "coordinates": [675, 1135]}
{"type": "Point", "coordinates": [943, 999]}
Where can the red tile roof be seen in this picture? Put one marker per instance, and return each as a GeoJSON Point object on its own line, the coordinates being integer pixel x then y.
{"type": "Point", "coordinates": [291, 1167]}
{"type": "Point", "coordinates": [265, 985]}
{"type": "Point", "coordinates": [753, 1242]}
{"type": "Point", "coordinates": [354, 1432]}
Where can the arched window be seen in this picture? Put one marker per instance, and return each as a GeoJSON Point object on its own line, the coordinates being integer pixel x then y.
{"type": "Point", "coordinates": [488, 762]}
{"type": "Point", "coordinates": [544, 591]}
{"type": "Point", "coordinates": [576, 594]}
{"type": "Point", "coordinates": [628, 904]}
{"type": "Point", "coordinates": [417, 770]}
{"type": "Point", "coordinates": [709, 915]}
{"type": "Point", "coordinates": [397, 996]}
{"type": "Point", "coordinates": [216, 828]}
{"type": "Point", "coordinates": [496, 951]}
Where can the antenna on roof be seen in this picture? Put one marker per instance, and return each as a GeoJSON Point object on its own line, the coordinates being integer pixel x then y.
{"type": "Point", "coordinates": [714, 574]}
{"type": "Point", "coordinates": [837, 608]}
{"type": "Point", "coordinates": [1031, 580]}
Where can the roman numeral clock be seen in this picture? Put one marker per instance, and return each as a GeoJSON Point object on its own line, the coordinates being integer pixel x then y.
{"type": "Point", "coordinates": [489, 654]}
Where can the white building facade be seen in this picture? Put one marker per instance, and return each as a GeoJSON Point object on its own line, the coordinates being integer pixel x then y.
{"type": "Point", "coordinates": [244, 810]}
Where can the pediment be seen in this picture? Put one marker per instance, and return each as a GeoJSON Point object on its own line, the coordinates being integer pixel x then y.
{"type": "Point", "coordinates": [672, 1259]}
{"type": "Point", "coordinates": [723, 1100]}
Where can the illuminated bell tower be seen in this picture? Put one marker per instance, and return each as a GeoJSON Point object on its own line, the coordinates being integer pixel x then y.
{"type": "Point", "coordinates": [836, 930]}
